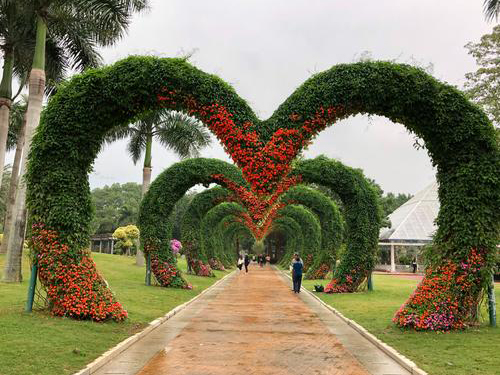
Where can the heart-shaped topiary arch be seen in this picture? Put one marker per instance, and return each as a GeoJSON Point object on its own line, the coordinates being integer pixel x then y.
{"type": "Point", "coordinates": [191, 221]}
{"type": "Point", "coordinates": [458, 137]}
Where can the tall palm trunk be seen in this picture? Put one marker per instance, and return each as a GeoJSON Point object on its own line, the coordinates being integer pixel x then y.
{"type": "Point", "coordinates": [12, 272]}
{"type": "Point", "coordinates": [5, 102]}
{"type": "Point", "coordinates": [146, 171]}
{"type": "Point", "coordinates": [146, 181]}
{"type": "Point", "coordinates": [11, 198]}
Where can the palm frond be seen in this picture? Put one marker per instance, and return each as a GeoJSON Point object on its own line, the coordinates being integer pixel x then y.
{"type": "Point", "coordinates": [491, 9]}
{"type": "Point", "coordinates": [16, 121]}
{"type": "Point", "coordinates": [119, 132]}
{"type": "Point", "coordinates": [109, 18]}
{"type": "Point", "coordinates": [136, 146]}
{"type": "Point", "coordinates": [183, 134]}
{"type": "Point", "coordinates": [76, 37]}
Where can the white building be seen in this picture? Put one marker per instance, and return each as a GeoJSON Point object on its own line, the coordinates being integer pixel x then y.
{"type": "Point", "coordinates": [412, 223]}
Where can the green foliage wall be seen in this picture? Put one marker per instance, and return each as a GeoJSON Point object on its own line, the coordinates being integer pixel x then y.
{"type": "Point", "coordinates": [310, 228]}
{"type": "Point", "coordinates": [192, 219]}
{"type": "Point", "coordinates": [293, 235]}
{"type": "Point", "coordinates": [361, 210]}
{"type": "Point", "coordinates": [231, 232]}
{"type": "Point", "coordinates": [210, 232]}
{"type": "Point", "coordinates": [166, 190]}
{"type": "Point", "coordinates": [330, 219]}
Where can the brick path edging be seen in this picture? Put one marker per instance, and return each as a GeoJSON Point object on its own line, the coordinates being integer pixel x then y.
{"type": "Point", "coordinates": [389, 350]}
{"type": "Point", "coordinates": [125, 344]}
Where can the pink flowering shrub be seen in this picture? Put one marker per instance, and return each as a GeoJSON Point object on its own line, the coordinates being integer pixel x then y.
{"type": "Point", "coordinates": [175, 246]}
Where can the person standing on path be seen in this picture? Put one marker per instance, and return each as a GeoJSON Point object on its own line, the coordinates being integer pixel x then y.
{"type": "Point", "coordinates": [297, 267]}
{"type": "Point", "coordinates": [414, 265]}
{"type": "Point", "coordinates": [247, 262]}
{"type": "Point", "coordinates": [240, 261]}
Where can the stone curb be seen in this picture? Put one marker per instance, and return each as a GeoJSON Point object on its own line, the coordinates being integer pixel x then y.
{"type": "Point", "coordinates": [125, 344]}
{"type": "Point", "coordinates": [389, 350]}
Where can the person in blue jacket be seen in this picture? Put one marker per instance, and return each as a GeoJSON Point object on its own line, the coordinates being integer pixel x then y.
{"type": "Point", "coordinates": [297, 267]}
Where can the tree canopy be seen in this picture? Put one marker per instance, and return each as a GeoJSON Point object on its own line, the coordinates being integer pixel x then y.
{"type": "Point", "coordinates": [483, 85]}
{"type": "Point", "coordinates": [115, 206]}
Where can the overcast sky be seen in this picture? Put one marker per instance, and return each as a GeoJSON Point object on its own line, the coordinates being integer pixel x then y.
{"type": "Point", "coordinates": [267, 48]}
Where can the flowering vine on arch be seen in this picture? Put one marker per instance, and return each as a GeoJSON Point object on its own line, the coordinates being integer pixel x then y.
{"type": "Point", "coordinates": [458, 137]}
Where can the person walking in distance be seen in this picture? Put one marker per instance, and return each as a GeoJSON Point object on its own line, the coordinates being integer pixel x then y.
{"type": "Point", "coordinates": [414, 265]}
{"type": "Point", "coordinates": [247, 262]}
{"type": "Point", "coordinates": [297, 267]}
{"type": "Point", "coordinates": [240, 262]}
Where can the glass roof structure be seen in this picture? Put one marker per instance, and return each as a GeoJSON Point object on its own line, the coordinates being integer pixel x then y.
{"type": "Point", "coordinates": [413, 222]}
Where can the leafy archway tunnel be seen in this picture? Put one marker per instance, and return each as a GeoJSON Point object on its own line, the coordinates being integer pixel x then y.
{"type": "Point", "coordinates": [458, 137]}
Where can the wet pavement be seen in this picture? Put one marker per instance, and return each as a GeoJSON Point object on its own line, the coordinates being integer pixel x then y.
{"type": "Point", "coordinates": [253, 324]}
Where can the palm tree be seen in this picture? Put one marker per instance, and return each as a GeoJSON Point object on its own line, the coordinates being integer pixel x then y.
{"type": "Point", "coordinates": [173, 130]}
{"type": "Point", "coordinates": [76, 24]}
{"type": "Point", "coordinates": [491, 9]}
{"type": "Point", "coordinates": [17, 42]}
{"type": "Point", "coordinates": [15, 139]}
{"type": "Point", "coordinates": [14, 41]}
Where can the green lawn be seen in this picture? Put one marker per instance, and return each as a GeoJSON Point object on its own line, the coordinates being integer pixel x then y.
{"type": "Point", "coordinates": [38, 343]}
{"type": "Point", "coordinates": [472, 352]}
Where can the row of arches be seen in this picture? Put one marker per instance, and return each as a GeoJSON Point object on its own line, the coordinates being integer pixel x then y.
{"type": "Point", "coordinates": [313, 223]}
{"type": "Point", "coordinates": [458, 137]}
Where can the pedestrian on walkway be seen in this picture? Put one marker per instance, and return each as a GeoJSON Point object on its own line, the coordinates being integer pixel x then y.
{"type": "Point", "coordinates": [264, 259]}
{"type": "Point", "coordinates": [297, 267]}
{"type": "Point", "coordinates": [247, 262]}
{"type": "Point", "coordinates": [414, 265]}
{"type": "Point", "coordinates": [268, 259]}
{"type": "Point", "coordinates": [240, 261]}
{"type": "Point", "coordinates": [260, 260]}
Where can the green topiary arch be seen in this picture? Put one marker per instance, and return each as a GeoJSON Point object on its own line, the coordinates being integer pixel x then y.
{"type": "Point", "coordinates": [458, 137]}
{"type": "Point", "coordinates": [361, 213]}
{"type": "Point", "coordinates": [158, 203]}
{"type": "Point", "coordinates": [232, 231]}
{"type": "Point", "coordinates": [209, 230]}
{"type": "Point", "coordinates": [332, 227]}
{"type": "Point", "coordinates": [311, 232]}
{"type": "Point", "coordinates": [293, 235]}
{"type": "Point", "coordinates": [193, 217]}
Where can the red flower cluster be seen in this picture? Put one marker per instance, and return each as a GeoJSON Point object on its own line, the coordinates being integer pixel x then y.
{"type": "Point", "coordinates": [74, 287]}
{"type": "Point", "coordinates": [261, 228]}
{"type": "Point", "coordinates": [259, 207]}
{"type": "Point", "coordinates": [166, 273]}
{"type": "Point", "coordinates": [263, 165]}
{"type": "Point", "coordinates": [445, 299]}
{"type": "Point", "coordinates": [321, 272]}
{"type": "Point", "coordinates": [348, 283]}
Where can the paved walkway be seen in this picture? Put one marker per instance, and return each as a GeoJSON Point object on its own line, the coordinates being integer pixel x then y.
{"type": "Point", "coordinates": [253, 324]}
